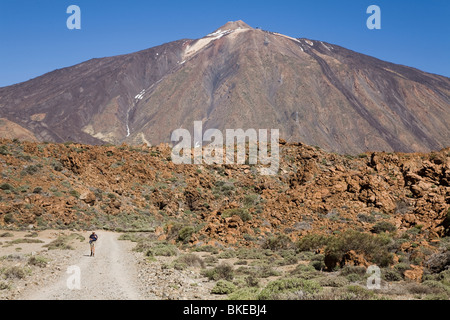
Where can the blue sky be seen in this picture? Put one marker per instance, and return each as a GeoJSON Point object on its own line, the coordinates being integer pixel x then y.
{"type": "Point", "coordinates": [34, 38]}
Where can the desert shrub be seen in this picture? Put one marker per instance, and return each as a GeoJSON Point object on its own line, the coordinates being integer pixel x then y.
{"type": "Point", "coordinates": [223, 287]}
{"type": "Point", "coordinates": [354, 277]}
{"type": "Point", "coordinates": [31, 169]}
{"type": "Point", "coordinates": [162, 249]}
{"type": "Point", "coordinates": [251, 200]}
{"type": "Point", "coordinates": [354, 292]}
{"type": "Point", "coordinates": [317, 262]}
{"type": "Point", "coordinates": [210, 260]}
{"type": "Point", "coordinates": [365, 218]}
{"type": "Point", "coordinates": [191, 260]}
{"type": "Point", "coordinates": [438, 286]}
{"type": "Point", "coordinates": [252, 253]}
{"type": "Point", "coordinates": [130, 236]}
{"type": "Point", "coordinates": [4, 150]}
{"type": "Point", "coordinates": [402, 267]}
{"type": "Point", "coordinates": [383, 226]}
{"type": "Point", "coordinates": [74, 193]}
{"type": "Point", "coordinates": [304, 272]}
{"type": "Point", "coordinates": [250, 293]}
{"type": "Point", "coordinates": [6, 234]}
{"type": "Point", "coordinates": [420, 289]}
{"type": "Point", "coordinates": [222, 271]}
{"type": "Point", "coordinates": [18, 241]}
{"type": "Point", "coordinates": [185, 233]}
{"type": "Point", "coordinates": [353, 273]}
{"type": "Point", "coordinates": [38, 261]}
{"type": "Point", "coordinates": [348, 269]}
{"type": "Point", "coordinates": [179, 231]}
{"type": "Point", "coordinates": [240, 212]}
{"type": "Point", "coordinates": [37, 190]}
{"type": "Point", "coordinates": [375, 248]}
{"type": "Point", "coordinates": [289, 257]}
{"type": "Point", "coordinates": [265, 271]}
{"type": "Point", "coordinates": [62, 242]}
{"type": "Point", "coordinates": [4, 285]}
{"type": "Point", "coordinates": [281, 288]}
{"type": "Point", "coordinates": [227, 254]}
{"type": "Point", "coordinates": [252, 281]}
{"type": "Point", "coordinates": [392, 275]}
{"type": "Point", "coordinates": [338, 281]}
{"type": "Point", "coordinates": [6, 186]}
{"type": "Point", "coordinates": [206, 248]}
{"type": "Point", "coordinates": [59, 243]}
{"type": "Point", "coordinates": [9, 218]}
{"type": "Point", "coordinates": [311, 242]}
{"type": "Point", "coordinates": [15, 272]}
{"type": "Point", "coordinates": [279, 242]}
{"type": "Point", "coordinates": [57, 166]}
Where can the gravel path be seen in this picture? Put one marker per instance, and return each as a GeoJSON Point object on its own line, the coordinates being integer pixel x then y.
{"type": "Point", "coordinates": [115, 273]}
{"type": "Point", "coordinates": [111, 274]}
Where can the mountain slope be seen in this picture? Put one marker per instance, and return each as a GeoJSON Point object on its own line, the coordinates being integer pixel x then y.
{"type": "Point", "coordinates": [239, 77]}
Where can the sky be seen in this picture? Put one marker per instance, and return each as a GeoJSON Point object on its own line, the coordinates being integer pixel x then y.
{"type": "Point", "coordinates": [35, 39]}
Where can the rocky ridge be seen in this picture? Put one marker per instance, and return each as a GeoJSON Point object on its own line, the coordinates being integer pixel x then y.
{"type": "Point", "coordinates": [64, 185]}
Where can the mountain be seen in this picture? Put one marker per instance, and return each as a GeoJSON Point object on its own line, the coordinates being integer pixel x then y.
{"type": "Point", "coordinates": [238, 77]}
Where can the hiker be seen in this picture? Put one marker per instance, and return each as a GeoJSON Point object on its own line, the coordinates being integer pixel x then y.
{"type": "Point", "coordinates": [92, 238]}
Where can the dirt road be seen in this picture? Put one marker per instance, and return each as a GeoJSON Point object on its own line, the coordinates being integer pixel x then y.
{"type": "Point", "coordinates": [117, 272]}
{"type": "Point", "coordinates": [111, 274]}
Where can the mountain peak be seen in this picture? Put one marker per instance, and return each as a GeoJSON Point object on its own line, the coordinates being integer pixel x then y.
{"type": "Point", "coordinates": [233, 25]}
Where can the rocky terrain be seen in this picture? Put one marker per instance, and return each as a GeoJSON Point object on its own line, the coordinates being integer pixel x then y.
{"type": "Point", "coordinates": [236, 77]}
{"type": "Point", "coordinates": [323, 211]}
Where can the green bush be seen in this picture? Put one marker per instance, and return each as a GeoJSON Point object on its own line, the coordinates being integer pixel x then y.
{"type": "Point", "coordinates": [37, 190]}
{"type": "Point", "coordinates": [6, 234]}
{"type": "Point", "coordinates": [38, 261]}
{"type": "Point", "coordinates": [281, 288]}
{"type": "Point", "coordinates": [312, 242]}
{"type": "Point", "coordinates": [191, 260]}
{"type": "Point", "coordinates": [354, 292]}
{"type": "Point", "coordinates": [336, 282]}
{"type": "Point", "coordinates": [9, 218]}
{"type": "Point", "coordinates": [222, 271]}
{"type": "Point", "coordinates": [383, 226]}
{"type": "Point", "coordinates": [6, 186]}
{"type": "Point", "coordinates": [223, 287]}
{"type": "Point", "coordinates": [162, 249]}
{"type": "Point", "coordinates": [317, 262]}
{"type": "Point", "coordinates": [31, 169]}
{"type": "Point", "coordinates": [16, 272]}
{"type": "Point", "coordinates": [375, 248]}
{"type": "Point", "coordinates": [250, 293]}
{"type": "Point", "coordinates": [279, 242]}
{"type": "Point", "coordinates": [251, 200]}
{"type": "Point", "coordinates": [4, 150]}
{"type": "Point", "coordinates": [62, 242]}
{"type": "Point", "coordinates": [392, 275]}
{"type": "Point", "coordinates": [185, 233]}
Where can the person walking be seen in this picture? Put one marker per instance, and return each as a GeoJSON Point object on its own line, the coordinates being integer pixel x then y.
{"type": "Point", "coordinates": [92, 239]}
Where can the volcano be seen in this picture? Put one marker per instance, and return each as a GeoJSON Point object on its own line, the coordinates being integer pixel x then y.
{"type": "Point", "coordinates": [314, 92]}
